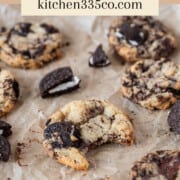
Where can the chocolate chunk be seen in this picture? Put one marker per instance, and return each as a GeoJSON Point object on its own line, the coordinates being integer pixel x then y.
{"type": "Point", "coordinates": [22, 30]}
{"type": "Point", "coordinates": [49, 28]}
{"type": "Point", "coordinates": [63, 134]}
{"type": "Point", "coordinates": [5, 129]}
{"type": "Point", "coordinates": [134, 34]}
{"type": "Point", "coordinates": [16, 88]}
{"type": "Point", "coordinates": [174, 118]}
{"type": "Point", "coordinates": [99, 58]}
{"type": "Point", "coordinates": [58, 82]}
{"type": "Point", "coordinates": [2, 29]}
{"type": "Point", "coordinates": [5, 149]}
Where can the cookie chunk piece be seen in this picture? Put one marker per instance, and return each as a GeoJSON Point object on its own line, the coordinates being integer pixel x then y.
{"type": "Point", "coordinates": [152, 84]}
{"type": "Point", "coordinates": [5, 129]}
{"type": "Point", "coordinates": [9, 92]}
{"type": "Point", "coordinates": [58, 82]}
{"type": "Point", "coordinates": [163, 165]}
{"type": "Point", "coordinates": [5, 149]}
{"type": "Point", "coordinates": [137, 38]}
{"type": "Point", "coordinates": [99, 58]}
{"type": "Point", "coordinates": [82, 125]}
{"type": "Point", "coordinates": [30, 45]}
{"type": "Point", "coordinates": [174, 118]}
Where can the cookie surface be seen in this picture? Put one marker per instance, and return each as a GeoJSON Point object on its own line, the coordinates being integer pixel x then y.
{"type": "Point", "coordinates": [152, 84]}
{"type": "Point", "coordinates": [82, 125]}
{"type": "Point", "coordinates": [164, 165]}
{"type": "Point", "coordinates": [9, 92]}
{"type": "Point", "coordinates": [29, 45]}
{"type": "Point", "coordinates": [136, 38]}
{"type": "Point", "coordinates": [174, 118]}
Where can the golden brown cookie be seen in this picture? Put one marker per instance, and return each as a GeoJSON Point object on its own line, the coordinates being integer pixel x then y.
{"type": "Point", "coordinates": [9, 92]}
{"type": "Point", "coordinates": [160, 165]}
{"type": "Point", "coordinates": [29, 45]}
{"type": "Point", "coordinates": [152, 84]}
{"type": "Point", "coordinates": [138, 37]}
{"type": "Point", "coordinates": [82, 125]}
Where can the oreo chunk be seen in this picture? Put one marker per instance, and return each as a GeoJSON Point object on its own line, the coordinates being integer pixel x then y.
{"type": "Point", "coordinates": [22, 29]}
{"type": "Point", "coordinates": [58, 82]}
{"type": "Point", "coordinates": [5, 129]}
{"type": "Point", "coordinates": [5, 149]}
{"type": "Point", "coordinates": [174, 118]}
{"type": "Point", "coordinates": [62, 134]}
{"type": "Point", "coordinates": [99, 58]}
{"type": "Point", "coordinates": [133, 34]}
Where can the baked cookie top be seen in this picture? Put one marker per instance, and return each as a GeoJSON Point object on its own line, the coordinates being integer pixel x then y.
{"type": "Point", "coordinates": [138, 37]}
{"type": "Point", "coordinates": [30, 45]}
{"type": "Point", "coordinates": [81, 125]}
{"type": "Point", "coordinates": [9, 92]}
{"type": "Point", "coordinates": [152, 84]}
{"type": "Point", "coordinates": [164, 165]}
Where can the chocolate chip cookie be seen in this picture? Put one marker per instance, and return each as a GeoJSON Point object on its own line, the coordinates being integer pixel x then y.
{"type": "Point", "coordinates": [82, 125]}
{"type": "Point", "coordinates": [174, 118]}
{"type": "Point", "coordinates": [152, 84]}
{"type": "Point", "coordinates": [9, 92]}
{"type": "Point", "coordinates": [164, 165]}
{"type": "Point", "coordinates": [136, 38]}
{"type": "Point", "coordinates": [30, 45]}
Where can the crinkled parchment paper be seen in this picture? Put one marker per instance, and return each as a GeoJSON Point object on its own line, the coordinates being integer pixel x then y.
{"type": "Point", "coordinates": [28, 117]}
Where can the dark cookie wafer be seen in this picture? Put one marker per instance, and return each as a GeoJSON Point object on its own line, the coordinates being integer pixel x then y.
{"type": "Point", "coordinates": [174, 118]}
{"type": "Point", "coordinates": [5, 149]}
{"type": "Point", "coordinates": [164, 165]}
{"type": "Point", "coordinates": [30, 45]}
{"type": "Point", "coordinates": [58, 82]}
{"type": "Point", "coordinates": [99, 58]}
{"type": "Point", "coordinates": [152, 84]}
{"type": "Point", "coordinates": [5, 129]}
{"type": "Point", "coordinates": [138, 37]}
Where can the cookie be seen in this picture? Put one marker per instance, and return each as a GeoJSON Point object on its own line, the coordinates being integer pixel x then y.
{"type": "Point", "coordinates": [137, 37]}
{"type": "Point", "coordinates": [164, 165]}
{"type": "Point", "coordinates": [82, 125]}
{"type": "Point", "coordinates": [152, 84]}
{"type": "Point", "coordinates": [174, 118]}
{"type": "Point", "coordinates": [99, 58]}
{"type": "Point", "coordinates": [58, 82]}
{"type": "Point", "coordinates": [5, 129]}
{"type": "Point", "coordinates": [30, 45]}
{"type": "Point", "coordinates": [9, 92]}
{"type": "Point", "coordinates": [5, 149]}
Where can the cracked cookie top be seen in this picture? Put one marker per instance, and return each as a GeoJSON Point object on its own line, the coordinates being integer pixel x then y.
{"type": "Point", "coordinates": [152, 84]}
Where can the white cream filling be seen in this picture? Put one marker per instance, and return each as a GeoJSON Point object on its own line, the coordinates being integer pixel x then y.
{"type": "Point", "coordinates": [65, 85]}
{"type": "Point", "coordinates": [92, 62]}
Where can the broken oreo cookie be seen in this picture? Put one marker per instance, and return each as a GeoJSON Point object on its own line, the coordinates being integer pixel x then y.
{"type": "Point", "coordinates": [58, 82]}
{"type": "Point", "coordinates": [5, 129]}
{"type": "Point", "coordinates": [5, 149]}
{"type": "Point", "coordinates": [99, 58]}
{"type": "Point", "coordinates": [174, 118]}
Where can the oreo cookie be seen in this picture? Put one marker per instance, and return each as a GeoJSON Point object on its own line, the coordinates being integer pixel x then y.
{"type": "Point", "coordinates": [5, 129]}
{"type": "Point", "coordinates": [99, 58]}
{"type": "Point", "coordinates": [5, 149]}
{"type": "Point", "coordinates": [174, 118]}
{"type": "Point", "coordinates": [58, 82]}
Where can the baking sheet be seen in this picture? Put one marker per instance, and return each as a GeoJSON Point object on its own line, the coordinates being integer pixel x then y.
{"type": "Point", "coordinates": [31, 112]}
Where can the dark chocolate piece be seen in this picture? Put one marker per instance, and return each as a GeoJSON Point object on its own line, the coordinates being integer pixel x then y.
{"type": "Point", "coordinates": [16, 88]}
{"type": "Point", "coordinates": [58, 82]}
{"type": "Point", "coordinates": [5, 129]}
{"type": "Point", "coordinates": [63, 134]}
{"type": "Point", "coordinates": [135, 35]}
{"type": "Point", "coordinates": [99, 58]}
{"type": "Point", "coordinates": [22, 30]}
{"type": "Point", "coordinates": [49, 28]}
{"type": "Point", "coordinates": [174, 118]}
{"type": "Point", "coordinates": [5, 149]}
